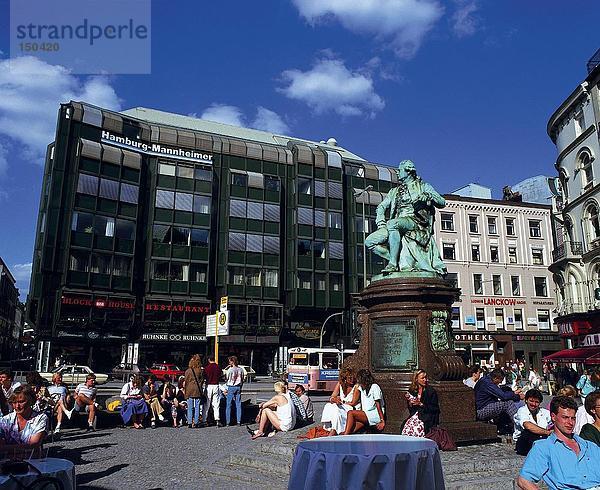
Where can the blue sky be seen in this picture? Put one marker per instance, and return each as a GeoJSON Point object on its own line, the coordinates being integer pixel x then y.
{"type": "Point", "coordinates": [462, 87]}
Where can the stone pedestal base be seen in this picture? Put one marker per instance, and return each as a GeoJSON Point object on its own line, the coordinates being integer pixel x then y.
{"type": "Point", "coordinates": [405, 326]}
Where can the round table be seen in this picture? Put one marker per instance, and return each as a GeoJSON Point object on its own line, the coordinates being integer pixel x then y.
{"type": "Point", "coordinates": [367, 461]}
{"type": "Point", "coordinates": [61, 469]}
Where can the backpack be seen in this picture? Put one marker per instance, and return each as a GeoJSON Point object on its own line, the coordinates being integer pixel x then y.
{"type": "Point", "coordinates": [442, 438]}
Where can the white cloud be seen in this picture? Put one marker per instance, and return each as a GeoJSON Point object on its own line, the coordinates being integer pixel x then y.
{"type": "Point", "coordinates": [31, 91]}
{"type": "Point", "coordinates": [465, 22]}
{"type": "Point", "coordinates": [331, 86]}
{"type": "Point", "coordinates": [265, 119]}
{"type": "Point", "coordinates": [402, 24]}
{"type": "Point", "coordinates": [22, 274]}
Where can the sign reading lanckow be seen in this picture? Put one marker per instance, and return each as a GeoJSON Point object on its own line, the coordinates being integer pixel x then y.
{"type": "Point", "coordinates": [155, 148]}
{"type": "Point", "coordinates": [84, 36]}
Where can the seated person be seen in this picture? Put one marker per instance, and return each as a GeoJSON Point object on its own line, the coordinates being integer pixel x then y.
{"type": "Point", "coordinates": [85, 399]}
{"type": "Point", "coordinates": [278, 413]}
{"type": "Point", "coordinates": [423, 406]}
{"type": "Point", "coordinates": [7, 385]}
{"type": "Point", "coordinates": [301, 416]}
{"type": "Point", "coordinates": [300, 392]}
{"type": "Point", "coordinates": [168, 399]}
{"type": "Point", "coordinates": [345, 397]}
{"type": "Point", "coordinates": [491, 401]}
{"type": "Point", "coordinates": [181, 401]}
{"type": "Point", "coordinates": [23, 428]}
{"type": "Point", "coordinates": [38, 385]}
{"type": "Point", "coordinates": [563, 459]}
{"type": "Point", "coordinates": [372, 405]}
{"type": "Point", "coordinates": [531, 422]}
{"type": "Point", "coordinates": [133, 405]}
{"type": "Point", "coordinates": [475, 374]}
{"type": "Point", "coordinates": [151, 396]}
{"type": "Point", "coordinates": [591, 432]}
{"type": "Point", "coordinates": [59, 395]}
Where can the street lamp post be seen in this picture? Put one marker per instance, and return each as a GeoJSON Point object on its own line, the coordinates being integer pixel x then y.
{"type": "Point", "coordinates": [323, 326]}
{"type": "Point", "coordinates": [364, 231]}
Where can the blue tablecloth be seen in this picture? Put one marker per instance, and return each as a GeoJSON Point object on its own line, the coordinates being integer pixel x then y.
{"type": "Point", "coordinates": [367, 461]}
{"type": "Point", "coordinates": [60, 469]}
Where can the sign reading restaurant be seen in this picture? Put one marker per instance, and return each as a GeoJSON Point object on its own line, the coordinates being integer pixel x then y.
{"type": "Point", "coordinates": [155, 149]}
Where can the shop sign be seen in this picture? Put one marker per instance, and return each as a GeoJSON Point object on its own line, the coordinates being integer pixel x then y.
{"type": "Point", "coordinates": [177, 307]}
{"type": "Point", "coordinates": [543, 303]}
{"type": "Point", "coordinates": [155, 149]}
{"type": "Point", "coordinates": [591, 340]}
{"type": "Point", "coordinates": [306, 330]}
{"type": "Point", "coordinates": [498, 301]}
{"type": "Point", "coordinates": [572, 329]}
{"type": "Point", "coordinates": [113, 304]}
{"type": "Point", "coordinates": [329, 374]}
{"type": "Point", "coordinates": [535, 338]}
{"type": "Point", "coordinates": [473, 337]}
{"type": "Point", "coordinates": [173, 337]}
{"type": "Point", "coordinates": [297, 378]}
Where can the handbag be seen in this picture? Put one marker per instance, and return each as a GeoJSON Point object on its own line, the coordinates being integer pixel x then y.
{"type": "Point", "coordinates": [442, 438]}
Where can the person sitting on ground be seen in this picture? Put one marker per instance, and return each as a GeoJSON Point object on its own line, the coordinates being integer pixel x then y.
{"type": "Point", "coordinates": [591, 432]}
{"type": "Point", "coordinates": [133, 405]}
{"type": "Point", "coordinates": [372, 405]}
{"type": "Point", "coordinates": [8, 386]}
{"type": "Point", "coordinates": [59, 395]}
{"type": "Point", "coordinates": [22, 428]}
{"type": "Point", "coordinates": [38, 385]}
{"type": "Point", "coordinates": [531, 422]}
{"type": "Point", "coordinates": [423, 406]}
{"type": "Point", "coordinates": [491, 401]}
{"type": "Point", "coordinates": [563, 460]}
{"type": "Point", "coordinates": [85, 399]}
{"type": "Point", "coordinates": [180, 401]}
{"type": "Point", "coordinates": [151, 396]}
{"type": "Point", "coordinates": [475, 374]}
{"type": "Point", "coordinates": [300, 392]}
{"type": "Point", "coordinates": [276, 414]}
{"type": "Point", "coordinates": [193, 391]}
{"type": "Point", "coordinates": [301, 416]}
{"type": "Point", "coordinates": [345, 397]}
{"type": "Point", "coordinates": [168, 399]}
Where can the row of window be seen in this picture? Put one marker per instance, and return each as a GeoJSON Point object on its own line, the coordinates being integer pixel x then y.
{"type": "Point", "coordinates": [185, 171]}
{"type": "Point", "coordinates": [317, 249]}
{"type": "Point", "coordinates": [98, 263]}
{"type": "Point", "coordinates": [182, 201]}
{"type": "Point", "coordinates": [449, 253]}
{"type": "Point", "coordinates": [180, 235]}
{"type": "Point", "coordinates": [318, 217]}
{"type": "Point", "coordinates": [447, 224]}
{"type": "Point", "coordinates": [250, 276]}
{"type": "Point", "coordinates": [108, 189]}
{"type": "Point", "coordinates": [247, 242]}
{"type": "Point", "coordinates": [103, 225]}
{"type": "Point", "coordinates": [178, 271]}
{"type": "Point", "coordinates": [500, 321]}
{"type": "Point", "coordinates": [304, 280]}
{"type": "Point", "coordinates": [254, 210]}
{"type": "Point", "coordinates": [256, 180]}
{"type": "Point", "coordinates": [540, 284]}
{"type": "Point", "coordinates": [320, 188]}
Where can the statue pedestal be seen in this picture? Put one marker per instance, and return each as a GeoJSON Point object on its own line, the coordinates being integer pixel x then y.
{"type": "Point", "coordinates": [406, 325]}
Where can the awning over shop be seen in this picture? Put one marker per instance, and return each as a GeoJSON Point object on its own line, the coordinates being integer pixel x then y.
{"type": "Point", "coordinates": [586, 355]}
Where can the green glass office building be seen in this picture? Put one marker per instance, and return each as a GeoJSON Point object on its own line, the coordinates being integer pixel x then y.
{"type": "Point", "coordinates": [148, 218]}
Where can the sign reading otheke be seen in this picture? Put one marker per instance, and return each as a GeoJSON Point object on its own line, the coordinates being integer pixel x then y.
{"type": "Point", "coordinates": [393, 344]}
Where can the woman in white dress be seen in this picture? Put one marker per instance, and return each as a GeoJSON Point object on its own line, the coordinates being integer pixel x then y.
{"type": "Point", "coordinates": [345, 397]}
{"type": "Point", "coordinates": [278, 413]}
{"type": "Point", "coordinates": [373, 407]}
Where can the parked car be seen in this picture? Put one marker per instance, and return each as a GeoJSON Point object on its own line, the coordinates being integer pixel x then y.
{"type": "Point", "coordinates": [249, 373]}
{"type": "Point", "coordinates": [165, 369]}
{"type": "Point", "coordinates": [122, 371]}
{"type": "Point", "coordinates": [75, 374]}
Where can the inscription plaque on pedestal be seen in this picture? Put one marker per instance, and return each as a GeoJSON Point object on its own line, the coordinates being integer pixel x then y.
{"type": "Point", "coordinates": [394, 345]}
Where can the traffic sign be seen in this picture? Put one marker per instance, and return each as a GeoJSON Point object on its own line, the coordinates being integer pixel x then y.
{"type": "Point", "coordinates": [223, 306]}
{"type": "Point", "coordinates": [220, 317]}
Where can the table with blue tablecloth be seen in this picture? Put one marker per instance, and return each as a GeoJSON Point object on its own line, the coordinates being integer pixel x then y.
{"type": "Point", "coordinates": [367, 461]}
{"type": "Point", "coordinates": [60, 474]}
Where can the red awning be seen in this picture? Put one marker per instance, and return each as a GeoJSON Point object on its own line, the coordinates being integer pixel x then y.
{"type": "Point", "coordinates": [586, 355]}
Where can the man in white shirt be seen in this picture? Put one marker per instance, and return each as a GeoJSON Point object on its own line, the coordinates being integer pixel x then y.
{"type": "Point", "coordinates": [531, 422]}
{"type": "Point", "coordinates": [471, 381]}
{"type": "Point", "coordinates": [85, 397]}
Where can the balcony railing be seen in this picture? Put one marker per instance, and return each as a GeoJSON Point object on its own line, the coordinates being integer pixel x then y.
{"type": "Point", "coordinates": [567, 249]}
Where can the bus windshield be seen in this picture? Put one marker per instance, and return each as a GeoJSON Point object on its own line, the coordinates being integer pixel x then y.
{"type": "Point", "coordinates": [299, 359]}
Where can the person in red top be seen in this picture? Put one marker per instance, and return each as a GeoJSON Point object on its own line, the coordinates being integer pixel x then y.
{"type": "Point", "coordinates": [212, 376]}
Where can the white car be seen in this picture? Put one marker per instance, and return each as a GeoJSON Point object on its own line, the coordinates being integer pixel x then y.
{"type": "Point", "coordinates": [75, 374]}
{"type": "Point", "coordinates": [249, 373]}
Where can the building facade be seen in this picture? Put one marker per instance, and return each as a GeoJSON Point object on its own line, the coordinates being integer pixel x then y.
{"type": "Point", "coordinates": [10, 315]}
{"type": "Point", "coordinates": [573, 128]}
{"type": "Point", "coordinates": [498, 253]}
{"type": "Point", "coordinates": [148, 218]}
